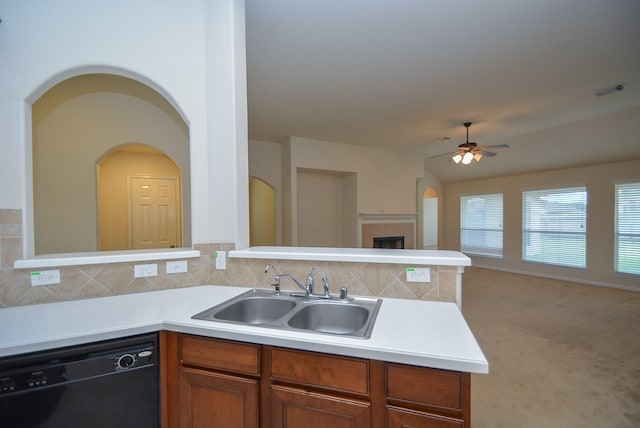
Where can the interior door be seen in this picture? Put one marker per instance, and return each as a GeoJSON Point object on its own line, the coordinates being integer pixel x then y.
{"type": "Point", "coordinates": [155, 215]}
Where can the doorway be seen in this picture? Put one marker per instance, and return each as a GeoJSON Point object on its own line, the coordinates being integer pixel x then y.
{"type": "Point", "coordinates": [430, 219]}
{"type": "Point", "coordinates": [139, 199]}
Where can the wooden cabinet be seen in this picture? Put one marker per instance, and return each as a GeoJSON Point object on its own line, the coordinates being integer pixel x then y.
{"type": "Point", "coordinates": [221, 383]}
{"type": "Point", "coordinates": [311, 390]}
{"type": "Point", "coordinates": [426, 398]}
{"type": "Point", "coordinates": [301, 408]}
{"type": "Point", "coordinates": [216, 384]}
{"type": "Point", "coordinates": [208, 399]}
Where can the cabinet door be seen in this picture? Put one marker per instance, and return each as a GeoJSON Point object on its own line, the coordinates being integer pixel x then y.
{"type": "Point", "coordinates": [215, 400]}
{"type": "Point", "coordinates": [294, 408]}
{"type": "Point", "coordinates": [401, 418]}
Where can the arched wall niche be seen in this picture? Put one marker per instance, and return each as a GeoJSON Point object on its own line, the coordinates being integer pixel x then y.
{"type": "Point", "coordinates": [262, 213]}
{"type": "Point", "coordinates": [76, 117]}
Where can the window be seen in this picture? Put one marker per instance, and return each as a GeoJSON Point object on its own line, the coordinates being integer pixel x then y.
{"type": "Point", "coordinates": [481, 225]}
{"type": "Point", "coordinates": [555, 226]}
{"type": "Point", "coordinates": [627, 257]}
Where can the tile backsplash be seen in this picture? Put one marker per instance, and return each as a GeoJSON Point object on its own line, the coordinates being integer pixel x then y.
{"type": "Point", "coordinates": [87, 281]}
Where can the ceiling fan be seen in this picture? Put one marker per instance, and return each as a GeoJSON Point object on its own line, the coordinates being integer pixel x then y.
{"type": "Point", "coordinates": [469, 151]}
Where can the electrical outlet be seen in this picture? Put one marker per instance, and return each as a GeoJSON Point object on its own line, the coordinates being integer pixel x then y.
{"type": "Point", "coordinates": [178, 266]}
{"type": "Point", "coordinates": [144, 271]}
{"type": "Point", "coordinates": [418, 274]}
{"type": "Point", "coordinates": [221, 260]}
{"type": "Point", "coordinates": [45, 277]}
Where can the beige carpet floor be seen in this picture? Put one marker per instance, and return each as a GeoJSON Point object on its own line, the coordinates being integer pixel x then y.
{"type": "Point", "coordinates": [560, 354]}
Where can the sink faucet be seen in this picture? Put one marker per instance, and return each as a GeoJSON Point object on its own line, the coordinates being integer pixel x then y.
{"type": "Point", "coordinates": [310, 281]}
{"type": "Point", "coordinates": [307, 287]}
{"type": "Point", "coordinates": [327, 292]}
{"type": "Point", "coordinates": [292, 278]}
{"type": "Point", "coordinates": [279, 276]}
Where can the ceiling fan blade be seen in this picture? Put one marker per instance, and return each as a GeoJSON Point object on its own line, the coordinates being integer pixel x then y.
{"type": "Point", "coordinates": [488, 154]}
{"type": "Point", "coordinates": [496, 146]}
{"type": "Point", "coordinates": [442, 155]}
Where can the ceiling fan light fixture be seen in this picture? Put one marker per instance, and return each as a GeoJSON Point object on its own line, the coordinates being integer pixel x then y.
{"type": "Point", "coordinates": [477, 156]}
{"type": "Point", "coordinates": [467, 158]}
{"type": "Point", "coordinates": [457, 158]}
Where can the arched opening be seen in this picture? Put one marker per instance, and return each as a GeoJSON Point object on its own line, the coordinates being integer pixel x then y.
{"type": "Point", "coordinates": [139, 196]}
{"type": "Point", "coordinates": [430, 219]}
{"type": "Point", "coordinates": [74, 124]}
{"type": "Point", "coordinates": [262, 213]}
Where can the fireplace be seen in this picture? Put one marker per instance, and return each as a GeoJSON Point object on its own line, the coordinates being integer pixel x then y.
{"type": "Point", "coordinates": [396, 242]}
{"type": "Point", "coordinates": [400, 234]}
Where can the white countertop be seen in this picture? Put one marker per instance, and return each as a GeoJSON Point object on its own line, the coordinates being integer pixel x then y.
{"type": "Point", "coordinates": [366, 255]}
{"type": "Point", "coordinates": [99, 257]}
{"type": "Point", "coordinates": [422, 333]}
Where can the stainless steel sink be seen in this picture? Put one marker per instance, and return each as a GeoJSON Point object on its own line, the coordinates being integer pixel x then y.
{"type": "Point", "coordinates": [353, 316]}
{"type": "Point", "coordinates": [329, 317]}
{"type": "Point", "coordinates": [255, 310]}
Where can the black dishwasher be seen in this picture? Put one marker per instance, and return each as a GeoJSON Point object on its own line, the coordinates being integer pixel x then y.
{"type": "Point", "coordinates": [105, 384]}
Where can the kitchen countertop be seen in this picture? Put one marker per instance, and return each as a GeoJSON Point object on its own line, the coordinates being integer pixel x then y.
{"type": "Point", "coordinates": [422, 333]}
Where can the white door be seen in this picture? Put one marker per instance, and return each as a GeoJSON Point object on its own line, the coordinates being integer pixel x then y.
{"type": "Point", "coordinates": [155, 216]}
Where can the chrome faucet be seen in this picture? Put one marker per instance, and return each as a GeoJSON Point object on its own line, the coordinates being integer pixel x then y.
{"type": "Point", "coordinates": [292, 278]}
{"type": "Point", "coordinates": [310, 281]}
{"type": "Point", "coordinates": [307, 287]}
{"type": "Point", "coordinates": [279, 276]}
{"type": "Point", "coordinates": [327, 291]}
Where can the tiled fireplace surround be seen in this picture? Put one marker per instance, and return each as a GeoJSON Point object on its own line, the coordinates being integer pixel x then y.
{"type": "Point", "coordinates": [86, 281]}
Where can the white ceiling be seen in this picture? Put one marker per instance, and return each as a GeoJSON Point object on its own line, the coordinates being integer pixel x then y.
{"type": "Point", "coordinates": [405, 74]}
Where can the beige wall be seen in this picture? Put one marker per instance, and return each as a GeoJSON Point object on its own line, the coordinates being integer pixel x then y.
{"type": "Point", "coordinates": [74, 125]}
{"type": "Point", "coordinates": [599, 181]}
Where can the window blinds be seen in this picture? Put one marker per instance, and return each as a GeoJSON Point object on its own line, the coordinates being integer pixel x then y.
{"type": "Point", "coordinates": [627, 258]}
{"type": "Point", "coordinates": [481, 225]}
{"type": "Point", "coordinates": [555, 226]}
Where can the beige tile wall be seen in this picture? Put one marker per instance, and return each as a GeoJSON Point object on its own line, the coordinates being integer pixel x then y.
{"type": "Point", "coordinates": [86, 281]}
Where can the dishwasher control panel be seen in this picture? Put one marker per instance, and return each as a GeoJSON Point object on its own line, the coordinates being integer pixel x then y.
{"type": "Point", "coordinates": [20, 380]}
{"type": "Point", "coordinates": [53, 369]}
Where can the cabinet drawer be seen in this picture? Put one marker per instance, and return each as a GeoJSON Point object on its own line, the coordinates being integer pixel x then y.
{"type": "Point", "coordinates": [399, 418]}
{"type": "Point", "coordinates": [220, 354]}
{"type": "Point", "coordinates": [431, 387]}
{"type": "Point", "coordinates": [321, 370]}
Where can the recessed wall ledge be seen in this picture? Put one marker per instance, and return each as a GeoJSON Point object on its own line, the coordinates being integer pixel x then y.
{"type": "Point", "coordinates": [102, 257]}
{"type": "Point", "coordinates": [394, 216]}
{"type": "Point", "coordinates": [359, 255]}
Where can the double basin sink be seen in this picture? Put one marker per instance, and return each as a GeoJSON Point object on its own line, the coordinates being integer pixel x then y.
{"type": "Point", "coordinates": [352, 316]}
